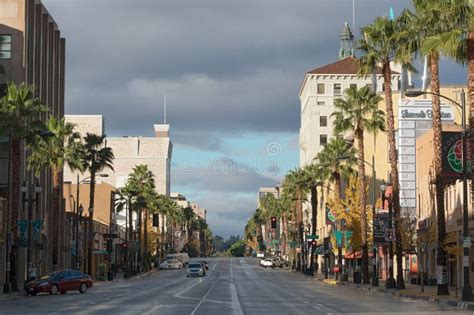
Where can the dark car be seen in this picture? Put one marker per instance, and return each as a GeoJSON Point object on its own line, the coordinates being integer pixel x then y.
{"type": "Point", "coordinates": [205, 264]}
{"type": "Point", "coordinates": [60, 281]}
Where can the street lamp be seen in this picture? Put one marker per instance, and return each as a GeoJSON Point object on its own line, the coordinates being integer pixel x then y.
{"type": "Point", "coordinates": [77, 197]}
{"type": "Point", "coordinates": [79, 211]}
{"type": "Point", "coordinates": [466, 290]}
{"type": "Point", "coordinates": [26, 197]}
{"type": "Point", "coordinates": [7, 285]}
{"type": "Point", "coordinates": [390, 284]}
{"type": "Point", "coordinates": [375, 278]}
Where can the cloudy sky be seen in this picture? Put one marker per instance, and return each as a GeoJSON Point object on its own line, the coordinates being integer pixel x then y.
{"type": "Point", "coordinates": [231, 71]}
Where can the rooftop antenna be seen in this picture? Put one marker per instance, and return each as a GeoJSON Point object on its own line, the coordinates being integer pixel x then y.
{"type": "Point", "coordinates": [164, 122]}
{"type": "Point", "coordinates": [353, 15]}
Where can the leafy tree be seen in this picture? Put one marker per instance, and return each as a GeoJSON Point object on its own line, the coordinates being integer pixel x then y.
{"type": "Point", "coordinates": [358, 112]}
{"type": "Point", "coordinates": [237, 249]}
{"type": "Point", "coordinates": [96, 158]}
{"type": "Point", "coordinates": [20, 118]}
{"type": "Point", "coordinates": [53, 152]}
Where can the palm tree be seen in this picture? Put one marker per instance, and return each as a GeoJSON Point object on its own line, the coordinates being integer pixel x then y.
{"type": "Point", "coordinates": [20, 118]}
{"type": "Point", "coordinates": [436, 23]}
{"type": "Point", "coordinates": [96, 159]}
{"type": "Point", "coordinates": [189, 217]}
{"type": "Point", "coordinates": [54, 152]}
{"type": "Point", "coordinates": [141, 181]}
{"type": "Point", "coordinates": [385, 41]}
{"type": "Point", "coordinates": [336, 161]}
{"type": "Point", "coordinates": [358, 112]}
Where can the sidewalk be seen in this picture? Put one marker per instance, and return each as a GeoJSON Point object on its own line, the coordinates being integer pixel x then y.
{"type": "Point", "coordinates": [411, 291]}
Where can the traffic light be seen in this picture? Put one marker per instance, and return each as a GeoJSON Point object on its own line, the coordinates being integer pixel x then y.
{"type": "Point", "coordinates": [156, 220]}
{"type": "Point", "coordinates": [274, 222]}
{"type": "Point", "coordinates": [326, 244]}
{"type": "Point", "coordinates": [124, 247]}
{"type": "Point", "coordinates": [313, 243]}
{"type": "Point", "coordinates": [109, 245]}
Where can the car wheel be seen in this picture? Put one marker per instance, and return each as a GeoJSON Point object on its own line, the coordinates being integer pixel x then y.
{"type": "Point", "coordinates": [63, 292]}
{"type": "Point", "coordinates": [54, 289]}
{"type": "Point", "coordinates": [83, 288]}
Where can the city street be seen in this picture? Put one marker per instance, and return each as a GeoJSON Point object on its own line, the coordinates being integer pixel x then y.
{"type": "Point", "coordinates": [232, 286]}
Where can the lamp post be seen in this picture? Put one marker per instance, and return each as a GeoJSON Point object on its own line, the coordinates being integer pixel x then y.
{"type": "Point", "coordinates": [390, 281]}
{"type": "Point", "coordinates": [78, 183]}
{"type": "Point", "coordinates": [79, 211]}
{"type": "Point", "coordinates": [375, 278]}
{"type": "Point", "coordinates": [7, 285]}
{"type": "Point", "coordinates": [466, 290]}
{"type": "Point", "coordinates": [27, 198]}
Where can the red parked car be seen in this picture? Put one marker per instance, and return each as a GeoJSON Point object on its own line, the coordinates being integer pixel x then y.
{"type": "Point", "coordinates": [60, 281]}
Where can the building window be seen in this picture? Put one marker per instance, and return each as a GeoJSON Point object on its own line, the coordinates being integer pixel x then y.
{"type": "Point", "coordinates": [321, 103]}
{"type": "Point", "coordinates": [323, 139]}
{"type": "Point", "coordinates": [5, 47]}
{"type": "Point", "coordinates": [337, 89]}
{"type": "Point", "coordinates": [323, 121]}
{"type": "Point", "coordinates": [353, 86]}
{"type": "Point", "coordinates": [321, 88]}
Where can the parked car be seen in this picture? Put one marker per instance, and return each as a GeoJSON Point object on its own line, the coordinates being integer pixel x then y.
{"type": "Point", "coordinates": [268, 262]}
{"type": "Point", "coordinates": [205, 264]}
{"type": "Point", "coordinates": [60, 281]}
{"type": "Point", "coordinates": [261, 255]}
{"type": "Point", "coordinates": [171, 264]}
{"type": "Point", "coordinates": [277, 262]}
{"type": "Point", "coordinates": [195, 269]}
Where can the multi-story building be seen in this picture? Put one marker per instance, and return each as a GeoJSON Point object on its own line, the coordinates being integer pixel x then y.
{"type": "Point", "coordinates": [200, 212]}
{"type": "Point", "coordinates": [180, 199]}
{"type": "Point", "coordinates": [32, 51]}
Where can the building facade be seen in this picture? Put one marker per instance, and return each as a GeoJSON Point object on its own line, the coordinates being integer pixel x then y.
{"type": "Point", "coordinates": [32, 52]}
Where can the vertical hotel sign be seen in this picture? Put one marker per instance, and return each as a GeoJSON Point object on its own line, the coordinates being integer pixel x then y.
{"type": "Point", "coordinates": [414, 119]}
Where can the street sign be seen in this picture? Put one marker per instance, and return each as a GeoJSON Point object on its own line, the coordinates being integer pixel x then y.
{"type": "Point", "coordinates": [390, 235]}
{"type": "Point", "coordinates": [107, 235]}
{"type": "Point", "coordinates": [312, 237]}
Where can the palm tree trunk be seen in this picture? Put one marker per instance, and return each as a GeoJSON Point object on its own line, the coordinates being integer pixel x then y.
{"type": "Point", "coordinates": [393, 158]}
{"type": "Point", "coordinates": [300, 227]}
{"type": "Point", "coordinates": [145, 240]}
{"type": "Point", "coordinates": [314, 213]}
{"type": "Point", "coordinates": [470, 88]}
{"type": "Point", "coordinates": [139, 234]}
{"type": "Point", "coordinates": [359, 135]}
{"type": "Point", "coordinates": [337, 184]}
{"type": "Point", "coordinates": [15, 183]}
{"type": "Point", "coordinates": [55, 224]}
{"type": "Point", "coordinates": [91, 237]}
{"type": "Point", "coordinates": [441, 253]}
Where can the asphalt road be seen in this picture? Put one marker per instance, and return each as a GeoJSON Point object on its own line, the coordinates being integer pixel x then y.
{"type": "Point", "coordinates": [232, 286]}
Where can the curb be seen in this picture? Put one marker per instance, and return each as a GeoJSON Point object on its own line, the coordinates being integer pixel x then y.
{"type": "Point", "coordinates": [142, 275]}
{"type": "Point", "coordinates": [458, 304]}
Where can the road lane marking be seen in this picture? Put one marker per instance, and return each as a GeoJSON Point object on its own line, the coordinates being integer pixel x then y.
{"type": "Point", "coordinates": [204, 297]}
{"type": "Point", "coordinates": [235, 300]}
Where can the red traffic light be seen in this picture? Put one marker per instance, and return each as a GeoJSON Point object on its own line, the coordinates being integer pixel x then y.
{"type": "Point", "coordinates": [313, 243]}
{"type": "Point", "coordinates": [124, 245]}
{"type": "Point", "coordinates": [274, 219]}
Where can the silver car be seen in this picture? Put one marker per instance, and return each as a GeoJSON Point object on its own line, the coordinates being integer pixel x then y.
{"type": "Point", "coordinates": [195, 269]}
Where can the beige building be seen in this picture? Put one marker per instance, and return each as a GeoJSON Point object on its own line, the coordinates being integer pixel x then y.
{"type": "Point", "coordinates": [32, 51]}
{"type": "Point", "coordinates": [200, 212]}
{"type": "Point", "coordinates": [427, 215]}
{"type": "Point", "coordinates": [180, 199]}
{"type": "Point", "coordinates": [104, 220]}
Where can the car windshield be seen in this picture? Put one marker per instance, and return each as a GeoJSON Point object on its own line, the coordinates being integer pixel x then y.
{"type": "Point", "coordinates": [194, 265]}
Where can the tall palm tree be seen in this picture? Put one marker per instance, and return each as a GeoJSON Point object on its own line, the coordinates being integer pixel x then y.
{"type": "Point", "coordinates": [54, 152]}
{"type": "Point", "coordinates": [96, 158]}
{"type": "Point", "coordinates": [385, 41]}
{"type": "Point", "coordinates": [436, 19]}
{"type": "Point", "coordinates": [189, 217]}
{"type": "Point", "coordinates": [358, 112]}
{"type": "Point", "coordinates": [20, 118]}
{"type": "Point", "coordinates": [336, 161]}
{"type": "Point", "coordinates": [142, 182]}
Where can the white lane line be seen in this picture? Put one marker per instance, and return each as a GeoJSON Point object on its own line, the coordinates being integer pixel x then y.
{"type": "Point", "coordinates": [235, 300]}
{"type": "Point", "coordinates": [205, 296]}
{"type": "Point", "coordinates": [153, 310]}
{"type": "Point", "coordinates": [232, 269]}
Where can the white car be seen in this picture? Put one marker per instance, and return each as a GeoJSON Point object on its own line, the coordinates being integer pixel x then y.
{"type": "Point", "coordinates": [267, 263]}
{"type": "Point", "coordinates": [171, 264]}
{"type": "Point", "coordinates": [195, 269]}
{"type": "Point", "coordinates": [260, 255]}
